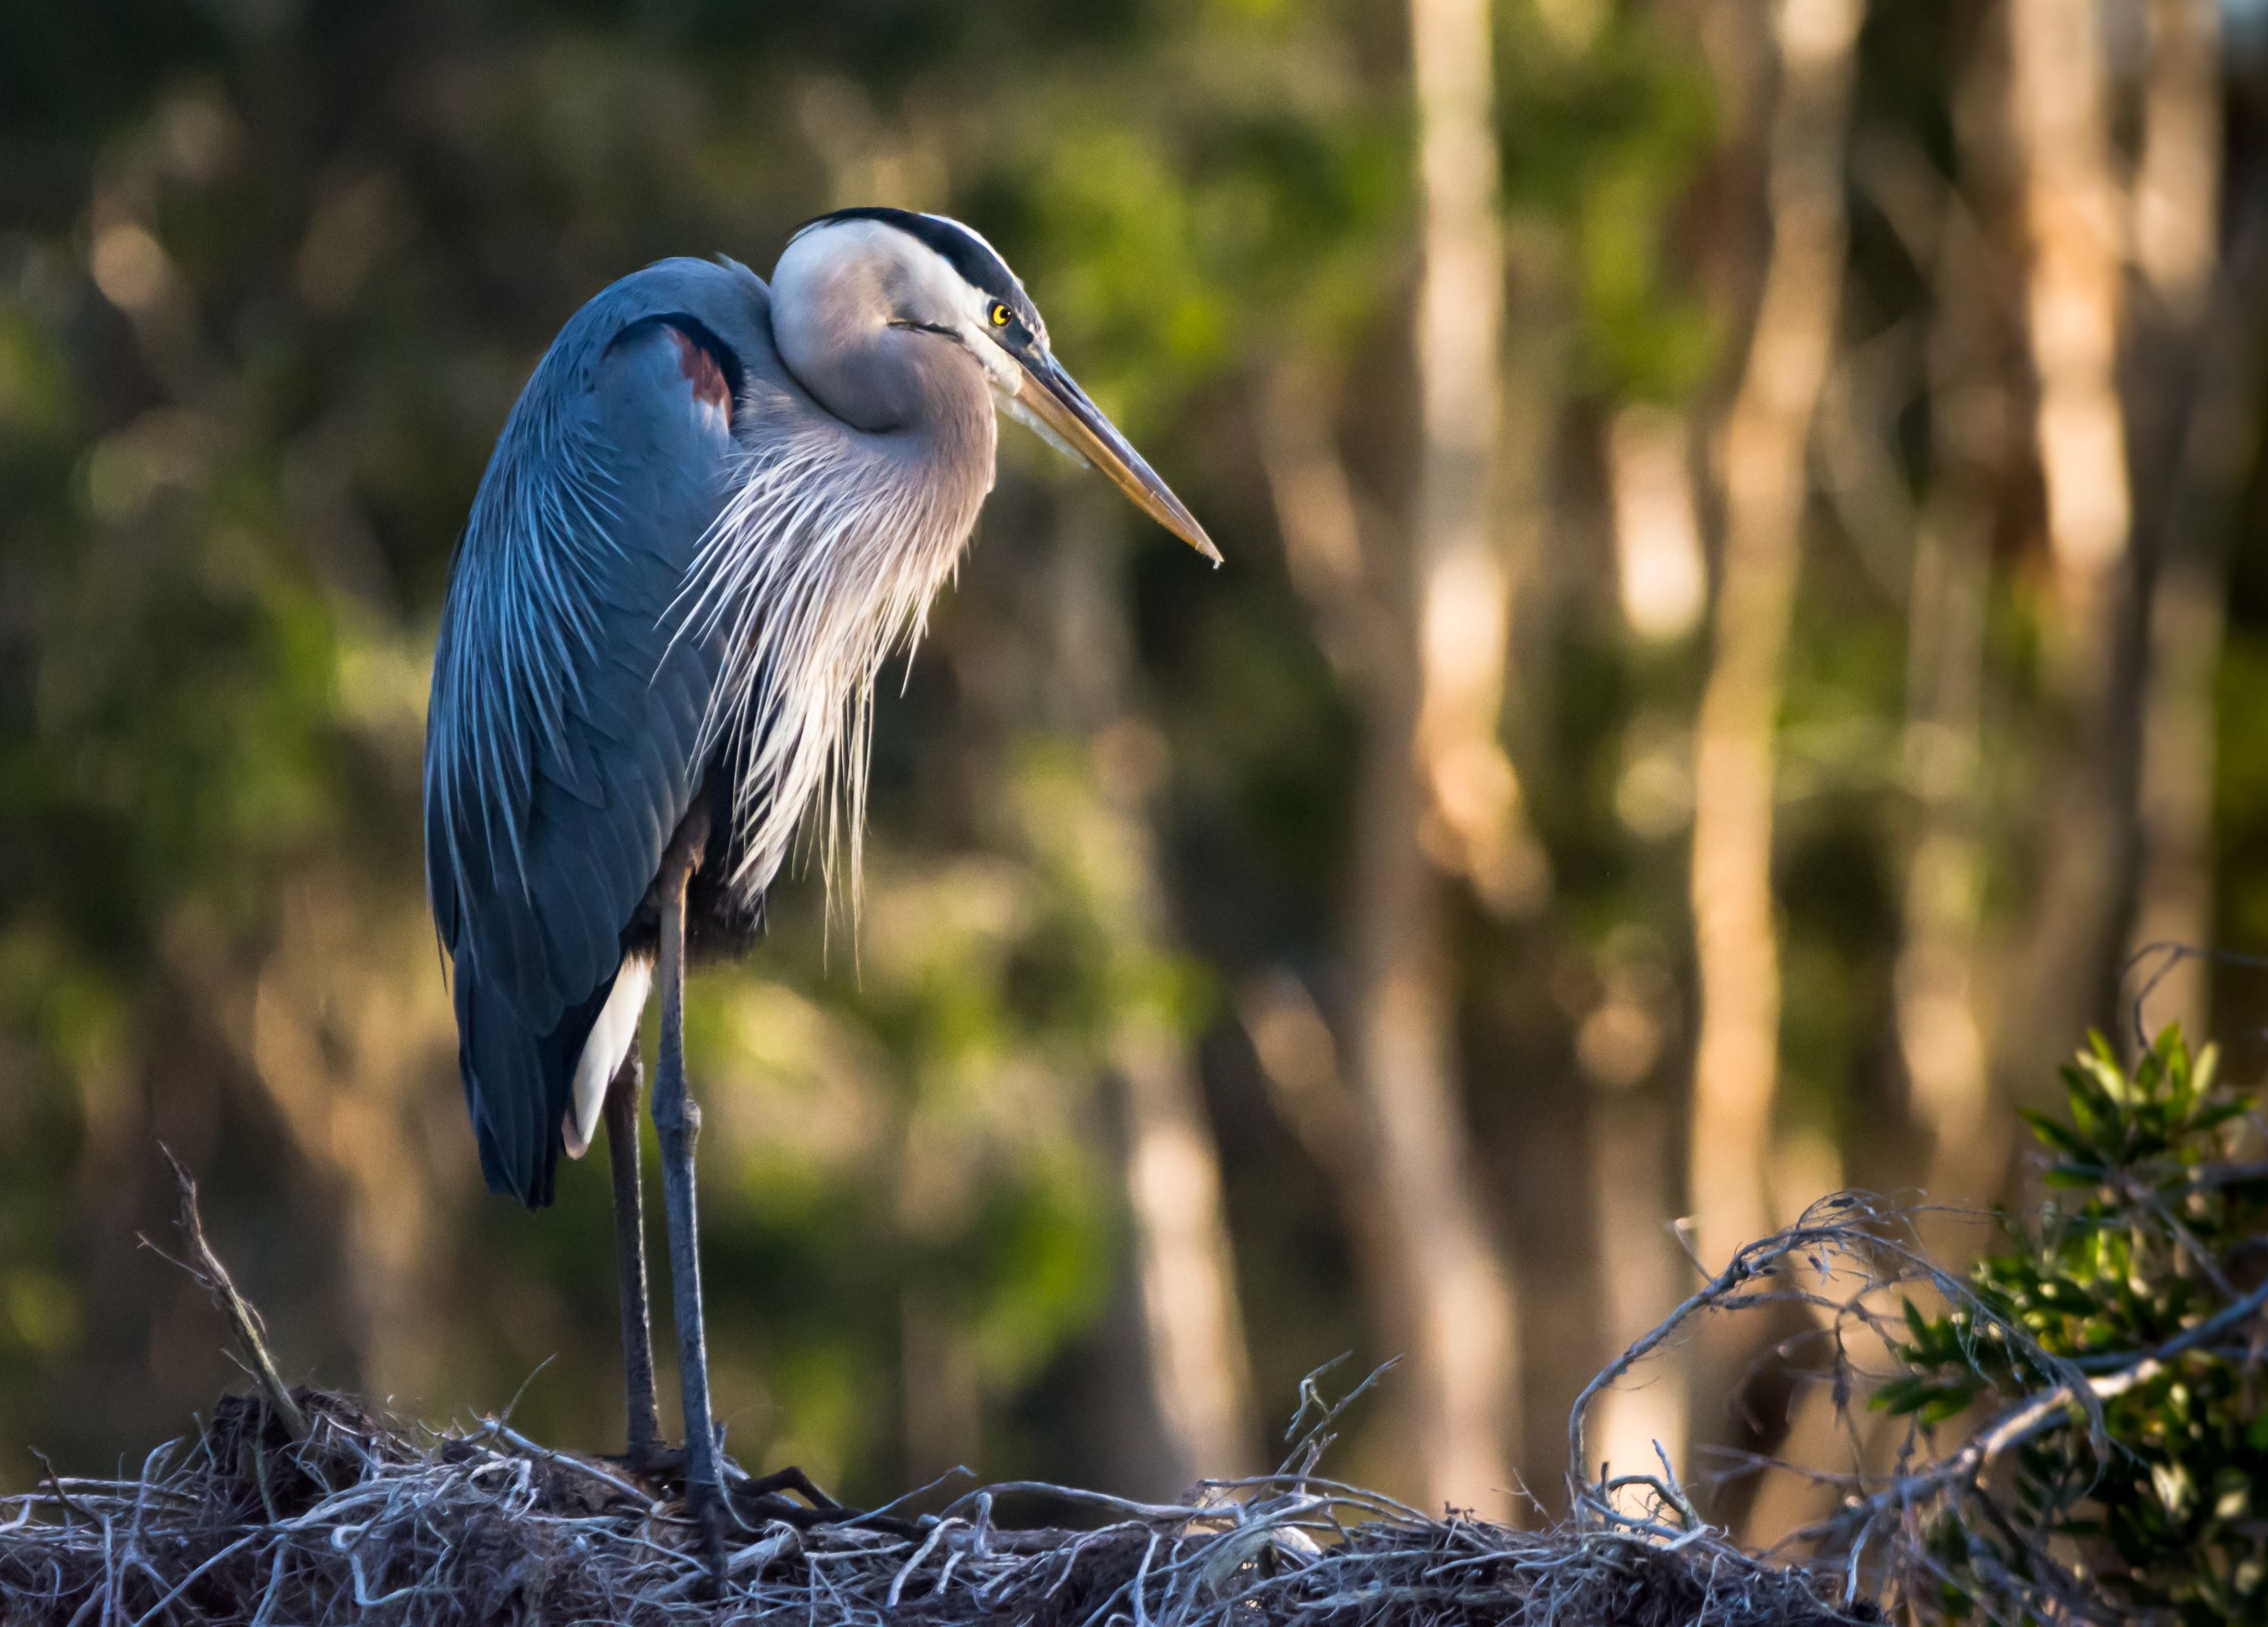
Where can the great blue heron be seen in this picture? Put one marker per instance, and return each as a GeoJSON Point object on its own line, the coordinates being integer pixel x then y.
{"type": "Point", "coordinates": [714, 511]}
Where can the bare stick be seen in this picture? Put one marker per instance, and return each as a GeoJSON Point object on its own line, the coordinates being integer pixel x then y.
{"type": "Point", "coordinates": [204, 1265]}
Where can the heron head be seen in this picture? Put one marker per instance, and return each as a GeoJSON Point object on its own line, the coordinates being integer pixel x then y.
{"type": "Point", "coordinates": [937, 276]}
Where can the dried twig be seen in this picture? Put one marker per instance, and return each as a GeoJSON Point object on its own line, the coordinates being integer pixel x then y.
{"type": "Point", "coordinates": [204, 1266]}
{"type": "Point", "coordinates": [460, 1526]}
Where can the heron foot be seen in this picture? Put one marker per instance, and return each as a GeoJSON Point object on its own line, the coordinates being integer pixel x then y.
{"type": "Point", "coordinates": [663, 1470]}
{"type": "Point", "coordinates": [710, 1512]}
{"type": "Point", "coordinates": [757, 1497]}
{"type": "Point", "coordinates": [753, 1500]}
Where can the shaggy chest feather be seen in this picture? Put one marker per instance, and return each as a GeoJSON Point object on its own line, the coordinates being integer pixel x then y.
{"type": "Point", "coordinates": [823, 563]}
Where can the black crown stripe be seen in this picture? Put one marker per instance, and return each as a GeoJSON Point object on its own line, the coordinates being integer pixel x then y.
{"type": "Point", "coordinates": [962, 249]}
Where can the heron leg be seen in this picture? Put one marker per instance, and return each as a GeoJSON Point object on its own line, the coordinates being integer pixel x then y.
{"type": "Point", "coordinates": [677, 1121]}
{"type": "Point", "coordinates": [622, 1116]}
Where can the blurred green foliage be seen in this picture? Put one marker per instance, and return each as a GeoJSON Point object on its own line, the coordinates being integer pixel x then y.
{"type": "Point", "coordinates": [272, 272]}
{"type": "Point", "coordinates": [269, 277]}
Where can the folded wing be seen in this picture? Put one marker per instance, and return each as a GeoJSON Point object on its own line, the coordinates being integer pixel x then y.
{"type": "Point", "coordinates": [566, 713]}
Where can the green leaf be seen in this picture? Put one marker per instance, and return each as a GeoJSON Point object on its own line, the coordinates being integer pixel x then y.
{"type": "Point", "coordinates": [2055, 1134]}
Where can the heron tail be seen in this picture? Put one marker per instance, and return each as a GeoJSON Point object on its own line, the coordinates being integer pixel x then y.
{"type": "Point", "coordinates": [519, 1082]}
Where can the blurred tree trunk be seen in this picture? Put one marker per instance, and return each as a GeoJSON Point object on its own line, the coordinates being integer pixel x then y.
{"type": "Point", "coordinates": [1436, 787]}
{"type": "Point", "coordinates": [1941, 1036]}
{"type": "Point", "coordinates": [1472, 822]}
{"type": "Point", "coordinates": [1764, 458]}
{"type": "Point", "coordinates": [1633, 1188]}
{"type": "Point", "coordinates": [1410, 1275]}
{"type": "Point", "coordinates": [2194, 336]}
{"type": "Point", "coordinates": [1662, 582]}
{"type": "Point", "coordinates": [1418, 626]}
{"type": "Point", "coordinates": [1817, 55]}
{"type": "Point", "coordinates": [1456, 1306]}
{"type": "Point", "coordinates": [1200, 1370]}
{"type": "Point", "coordinates": [1941, 1039]}
{"type": "Point", "coordinates": [1321, 524]}
{"type": "Point", "coordinates": [1440, 1285]}
{"type": "Point", "coordinates": [345, 1028]}
{"type": "Point", "coordinates": [2075, 267]}
{"type": "Point", "coordinates": [2188, 611]}
{"type": "Point", "coordinates": [1320, 521]}
{"type": "Point", "coordinates": [2059, 97]}
{"type": "Point", "coordinates": [1661, 571]}
{"type": "Point", "coordinates": [2176, 210]}
{"type": "Point", "coordinates": [1969, 354]}
{"type": "Point", "coordinates": [1198, 1364]}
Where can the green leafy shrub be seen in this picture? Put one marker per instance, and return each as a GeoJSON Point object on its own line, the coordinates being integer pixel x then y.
{"type": "Point", "coordinates": [2115, 1352]}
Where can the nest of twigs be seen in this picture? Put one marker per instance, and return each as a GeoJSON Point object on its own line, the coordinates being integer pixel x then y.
{"type": "Point", "coordinates": [298, 1506]}
{"type": "Point", "coordinates": [362, 1519]}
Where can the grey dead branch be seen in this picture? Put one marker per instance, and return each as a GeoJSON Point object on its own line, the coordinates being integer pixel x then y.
{"type": "Point", "coordinates": [301, 1507]}
{"type": "Point", "coordinates": [366, 1520]}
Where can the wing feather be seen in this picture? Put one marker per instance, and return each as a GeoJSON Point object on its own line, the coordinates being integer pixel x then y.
{"type": "Point", "coordinates": [565, 715]}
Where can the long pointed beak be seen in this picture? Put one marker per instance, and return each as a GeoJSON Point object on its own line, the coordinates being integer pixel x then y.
{"type": "Point", "coordinates": [1058, 401]}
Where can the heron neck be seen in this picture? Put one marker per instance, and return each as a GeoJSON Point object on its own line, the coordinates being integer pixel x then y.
{"type": "Point", "coordinates": [917, 400]}
{"type": "Point", "coordinates": [825, 558]}
{"type": "Point", "coordinates": [952, 430]}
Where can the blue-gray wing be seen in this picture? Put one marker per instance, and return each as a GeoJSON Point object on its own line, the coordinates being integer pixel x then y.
{"type": "Point", "coordinates": [566, 715]}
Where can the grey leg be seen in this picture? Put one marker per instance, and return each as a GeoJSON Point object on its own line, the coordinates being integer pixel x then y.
{"type": "Point", "coordinates": [678, 1121]}
{"type": "Point", "coordinates": [622, 1116]}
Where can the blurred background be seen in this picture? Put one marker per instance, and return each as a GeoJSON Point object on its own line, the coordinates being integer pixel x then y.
{"type": "Point", "coordinates": [1740, 618]}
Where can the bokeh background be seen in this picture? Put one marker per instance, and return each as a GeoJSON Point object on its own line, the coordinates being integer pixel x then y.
{"type": "Point", "coordinates": [1741, 614]}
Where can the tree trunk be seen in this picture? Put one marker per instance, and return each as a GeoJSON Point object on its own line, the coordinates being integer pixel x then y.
{"type": "Point", "coordinates": [2176, 219]}
{"type": "Point", "coordinates": [1197, 1362]}
{"type": "Point", "coordinates": [2075, 318]}
{"type": "Point", "coordinates": [1662, 582]}
{"type": "Point", "coordinates": [1396, 1147]}
{"type": "Point", "coordinates": [345, 1055]}
{"type": "Point", "coordinates": [1633, 1183]}
{"type": "Point", "coordinates": [1662, 574]}
{"type": "Point", "coordinates": [1357, 590]}
{"type": "Point", "coordinates": [1473, 820]}
{"type": "Point", "coordinates": [1199, 1371]}
{"type": "Point", "coordinates": [1764, 458]}
{"type": "Point", "coordinates": [1457, 1308]}
{"type": "Point", "coordinates": [1437, 788]}
{"type": "Point", "coordinates": [2059, 96]}
{"type": "Point", "coordinates": [1421, 632]}
{"type": "Point", "coordinates": [1937, 983]}
{"type": "Point", "coordinates": [1941, 1036]}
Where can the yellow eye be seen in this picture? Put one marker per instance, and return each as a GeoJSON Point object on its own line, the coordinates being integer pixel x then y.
{"type": "Point", "coordinates": [999, 315]}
